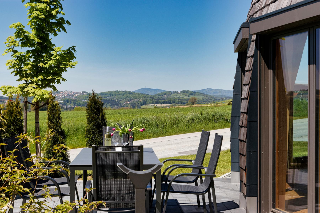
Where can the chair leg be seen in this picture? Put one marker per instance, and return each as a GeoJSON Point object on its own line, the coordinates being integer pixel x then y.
{"type": "Point", "coordinates": [214, 199]}
{"type": "Point", "coordinates": [11, 210]}
{"type": "Point", "coordinates": [77, 192]}
{"type": "Point", "coordinates": [23, 202]}
{"type": "Point", "coordinates": [147, 199]}
{"type": "Point", "coordinates": [198, 199]}
{"type": "Point", "coordinates": [165, 205]}
{"type": "Point", "coordinates": [154, 188]}
{"type": "Point", "coordinates": [204, 204]}
{"type": "Point", "coordinates": [210, 201]}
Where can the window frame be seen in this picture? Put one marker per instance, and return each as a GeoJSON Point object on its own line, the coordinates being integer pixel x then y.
{"type": "Point", "coordinates": [266, 70]}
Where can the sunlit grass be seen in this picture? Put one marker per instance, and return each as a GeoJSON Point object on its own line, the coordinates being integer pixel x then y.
{"type": "Point", "coordinates": [158, 122]}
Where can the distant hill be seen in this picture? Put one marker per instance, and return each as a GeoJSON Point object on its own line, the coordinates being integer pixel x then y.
{"type": "Point", "coordinates": [216, 92]}
{"type": "Point", "coordinates": [149, 91]}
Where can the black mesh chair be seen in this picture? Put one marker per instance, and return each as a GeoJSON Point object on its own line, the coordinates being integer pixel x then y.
{"type": "Point", "coordinates": [198, 161]}
{"type": "Point", "coordinates": [23, 157]}
{"type": "Point", "coordinates": [110, 184]}
{"type": "Point", "coordinates": [204, 186]}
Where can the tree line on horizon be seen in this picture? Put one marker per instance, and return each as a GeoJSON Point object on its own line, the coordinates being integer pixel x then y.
{"type": "Point", "coordinates": [121, 99]}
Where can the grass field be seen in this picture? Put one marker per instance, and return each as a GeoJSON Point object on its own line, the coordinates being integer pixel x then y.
{"type": "Point", "coordinates": [157, 122]}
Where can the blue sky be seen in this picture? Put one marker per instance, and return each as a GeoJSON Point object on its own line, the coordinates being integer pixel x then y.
{"type": "Point", "coordinates": [132, 44]}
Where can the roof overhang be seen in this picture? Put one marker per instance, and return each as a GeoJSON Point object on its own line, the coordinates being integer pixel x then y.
{"type": "Point", "coordinates": [241, 40]}
{"type": "Point", "coordinates": [300, 14]}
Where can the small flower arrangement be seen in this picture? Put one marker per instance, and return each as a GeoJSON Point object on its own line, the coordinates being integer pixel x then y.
{"type": "Point", "coordinates": [127, 129]}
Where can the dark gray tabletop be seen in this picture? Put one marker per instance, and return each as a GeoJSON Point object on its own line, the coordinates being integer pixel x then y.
{"type": "Point", "coordinates": [84, 158]}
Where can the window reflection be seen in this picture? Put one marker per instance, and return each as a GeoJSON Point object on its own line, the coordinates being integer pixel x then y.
{"type": "Point", "coordinates": [291, 123]}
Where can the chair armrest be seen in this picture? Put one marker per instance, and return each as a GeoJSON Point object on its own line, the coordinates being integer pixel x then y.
{"type": "Point", "coordinates": [62, 171]}
{"type": "Point", "coordinates": [66, 164]}
{"type": "Point", "coordinates": [185, 166]}
{"type": "Point", "coordinates": [172, 159]}
{"type": "Point", "coordinates": [174, 165]}
{"type": "Point", "coordinates": [188, 174]}
{"type": "Point", "coordinates": [50, 179]}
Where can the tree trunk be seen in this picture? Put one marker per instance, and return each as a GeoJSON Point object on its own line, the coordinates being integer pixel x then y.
{"type": "Point", "coordinates": [25, 116]}
{"type": "Point", "coordinates": [37, 129]}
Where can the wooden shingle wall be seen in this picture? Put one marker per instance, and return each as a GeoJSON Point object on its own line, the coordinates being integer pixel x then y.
{"type": "Point", "coordinates": [248, 122]}
{"type": "Point", "coordinates": [243, 123]}
{"type": "Point", "coordinates": [235, 113]}
{"type": "Point", "coordinates": [262, 7]}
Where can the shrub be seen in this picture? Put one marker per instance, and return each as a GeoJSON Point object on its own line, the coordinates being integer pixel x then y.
{"type": "Point", "coordinates": [77, 108]}
{"type": "Point", "coordinates": [14, 176]}
{"type": "Point", "coordinates": [13, 117]}
{"type": "Point", "coordinates": [96, 119]}
{"type": "Point", "coordinates": [55, 134]}
{"type": "Point", "coordinates": [2, 122]}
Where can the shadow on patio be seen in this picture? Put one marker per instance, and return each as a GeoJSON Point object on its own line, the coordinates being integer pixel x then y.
{"type": "Point", "coordinates": [227, 195]}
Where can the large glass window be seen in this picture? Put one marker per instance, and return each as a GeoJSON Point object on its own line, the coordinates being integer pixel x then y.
{"type": "Point", "coordinates": [291, 123]}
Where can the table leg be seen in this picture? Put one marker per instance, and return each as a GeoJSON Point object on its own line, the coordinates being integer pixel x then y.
{"type": "Point", "coordinates": [84, 181]}
{"type": "Point", "coordinates": [72, 184]}
{"type": "Point", "coordinates": [158, 191]}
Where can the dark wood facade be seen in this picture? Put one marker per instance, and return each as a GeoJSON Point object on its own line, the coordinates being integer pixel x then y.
{"type": "Point", "coordinates": [256, 130]}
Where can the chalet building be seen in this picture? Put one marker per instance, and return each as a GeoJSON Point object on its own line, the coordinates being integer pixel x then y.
{"type": "Point", "coordinates": [275, 140]}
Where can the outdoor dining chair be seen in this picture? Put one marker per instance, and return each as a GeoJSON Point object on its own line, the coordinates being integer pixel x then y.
{"type": "Point", "coordinates": [23, 157]}
{"type": "Point", "coordinates": [198, 161]}
{"type": "Point", "coordinates": [204, 186]}
{"type": "Point", "coordinates": [110, 184]}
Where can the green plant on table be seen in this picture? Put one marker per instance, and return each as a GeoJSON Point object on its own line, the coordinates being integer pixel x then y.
{"type": "Point", "coordinates": [127, 129]}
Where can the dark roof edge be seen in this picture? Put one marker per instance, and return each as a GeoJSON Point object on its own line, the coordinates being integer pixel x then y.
{"type": "Point", "coordinates": [265, 16]}
{"type": "Point", "coordinates": [243, 25]}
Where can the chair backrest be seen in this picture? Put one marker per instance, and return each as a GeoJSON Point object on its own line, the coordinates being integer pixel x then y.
{"type": "Point", "coordinates": [22, 155]}
{"type": "Point", "coordinates": [21, 152]}
{"type": "Point", "coordinates": [214, 158]}
{"type": "Point", "coordinates": [110, 184]}
{"type": "Point", "coordinates": [203, 145]}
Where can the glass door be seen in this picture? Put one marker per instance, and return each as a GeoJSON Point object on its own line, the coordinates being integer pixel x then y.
{"type": "Point", "coordinates": [290, 161]}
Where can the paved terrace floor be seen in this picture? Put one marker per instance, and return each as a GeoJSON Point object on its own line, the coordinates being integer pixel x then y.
{"type": "Point", "coordinates": [227, 194]}
{"type": "Point", "coordinates": [227, 199]}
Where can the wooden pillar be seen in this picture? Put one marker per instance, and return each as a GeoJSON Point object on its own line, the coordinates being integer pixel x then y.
{"type": "Point", "coordinates": [281, 132]}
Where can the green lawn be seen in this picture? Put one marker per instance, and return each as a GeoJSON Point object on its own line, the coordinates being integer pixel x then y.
{"type": "Point", "coordinates": [300, 148]}
{"type": "Point", "coordinates": [158, 122]}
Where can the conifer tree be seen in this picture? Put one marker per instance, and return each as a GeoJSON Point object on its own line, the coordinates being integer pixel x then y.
{"type": "Point", "coordinates": [55, 134]}
{"type": "Point", "coordinates": [96, 119]}
{"type": "Point", "coordinates": [13, 117]}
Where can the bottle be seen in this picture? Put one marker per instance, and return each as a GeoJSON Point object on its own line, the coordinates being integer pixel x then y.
{"type": "Point", "coordinates": [108, 136]}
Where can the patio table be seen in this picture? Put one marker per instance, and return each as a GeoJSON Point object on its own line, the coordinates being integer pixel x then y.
{"type": "Point", "coordinates": [83, 161]}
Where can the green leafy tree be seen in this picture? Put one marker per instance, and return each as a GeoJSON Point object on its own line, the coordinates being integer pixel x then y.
{"type": "Point", "coordinates": [96, 119]}
{"type": "Point", "coordinates": [42, 64]}
{"type": "Point", "coordinates": [55, 134]}
{"type": "Point", "coordinates": [192, 101]}
{"type": "Point", "coordinates": [13, 117]}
